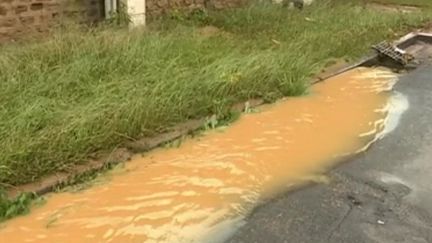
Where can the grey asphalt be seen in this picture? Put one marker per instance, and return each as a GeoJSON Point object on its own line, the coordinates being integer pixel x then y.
{"type": "Point", "coordinates": [382, 195]}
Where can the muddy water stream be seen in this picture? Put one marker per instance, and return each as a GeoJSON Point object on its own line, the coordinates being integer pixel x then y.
{"type": "Point", "coordinates": [203, 189]}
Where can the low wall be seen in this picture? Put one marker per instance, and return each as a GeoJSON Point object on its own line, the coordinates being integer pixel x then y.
{"type": "Point", "coordinates": [22, 17]}
{"type": "Point", "coordinates": [158, 7]}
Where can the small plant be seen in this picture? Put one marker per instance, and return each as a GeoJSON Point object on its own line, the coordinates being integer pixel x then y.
{"type": "Point", "coordinates": [248, 109]}
{"type": "Point", "coordinates": [197, 16]}
{"type": "Point", "coordinates": [201, 16]}
{"type": "Point", "coordinates": [211, 122]}
{"type": "Point", "coordinates": [120, 17]}
{"type": "Point", "coordinates": [177, 15]}
{"type": "Point", "coordinates": [13, 207]}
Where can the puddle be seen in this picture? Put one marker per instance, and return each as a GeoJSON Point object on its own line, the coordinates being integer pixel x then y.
{"type": "Point", "coordinates": [201, 191]}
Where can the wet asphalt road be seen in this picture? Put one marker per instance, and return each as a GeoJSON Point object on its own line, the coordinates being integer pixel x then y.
{"type": "Point", "coordinates": [382, 195]}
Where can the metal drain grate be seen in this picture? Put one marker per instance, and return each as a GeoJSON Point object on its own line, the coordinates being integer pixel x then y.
{"type": "Point", "coordinates": [386, 49]}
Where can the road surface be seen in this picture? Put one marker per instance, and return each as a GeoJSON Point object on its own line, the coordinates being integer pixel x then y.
{"type": "Point", "coordinates": [382, 195]}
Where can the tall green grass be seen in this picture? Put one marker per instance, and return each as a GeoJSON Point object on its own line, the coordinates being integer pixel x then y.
{"type": "Point", "coordinates": [83, 91]}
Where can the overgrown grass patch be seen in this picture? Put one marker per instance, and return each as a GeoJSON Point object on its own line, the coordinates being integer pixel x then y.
{"type": "Point", "coordinates": [83, 91]}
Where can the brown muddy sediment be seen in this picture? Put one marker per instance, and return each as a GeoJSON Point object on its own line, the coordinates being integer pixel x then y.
{"type": "Point", "coordinates": [202, 188]}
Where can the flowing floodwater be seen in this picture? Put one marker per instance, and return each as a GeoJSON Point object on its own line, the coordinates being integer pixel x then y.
{"type": "Point", "coordinates": [202, 190]}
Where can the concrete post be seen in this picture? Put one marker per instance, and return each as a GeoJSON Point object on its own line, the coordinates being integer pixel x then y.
{"type": "Point", "coordinates": [110, 8]}
{"type": "Point", "coordinates": [136, 10]}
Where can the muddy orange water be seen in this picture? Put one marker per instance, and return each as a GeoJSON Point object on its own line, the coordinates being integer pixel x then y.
{"type": "Point", "coordinates": [201, 190]}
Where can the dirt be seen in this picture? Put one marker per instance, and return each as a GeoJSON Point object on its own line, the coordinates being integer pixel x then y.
{"type": "Point", "coordinates": [394, 7]}
{"type": "Point", "coordinates": [211, 31]}
{"type": "Point", "coordinates": [332, 67]}
{"type": "Point", "coordinates": [48, 183]}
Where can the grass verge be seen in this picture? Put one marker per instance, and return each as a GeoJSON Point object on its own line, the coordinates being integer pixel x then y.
{"type": "Point", "coordinates": [83, 91]}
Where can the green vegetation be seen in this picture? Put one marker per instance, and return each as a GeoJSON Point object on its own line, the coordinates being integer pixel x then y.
{"type": "Point", "coordinates": [83, 91]}
{"type": "Point", "coordinates": [13, 207]}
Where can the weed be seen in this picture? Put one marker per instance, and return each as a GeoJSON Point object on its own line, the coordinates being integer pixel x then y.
{"type": "Point", "coordinates": [13, 207]}
{"type": "Point", "coordinates": [120, 17]}
{"type": "Point", "coordinates": [211, 122]}
{"type": "Point", "coordinates": [201, 16]}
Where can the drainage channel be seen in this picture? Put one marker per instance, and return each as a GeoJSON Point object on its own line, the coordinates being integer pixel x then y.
{"type": "Point", "coordinates": [203, 190]}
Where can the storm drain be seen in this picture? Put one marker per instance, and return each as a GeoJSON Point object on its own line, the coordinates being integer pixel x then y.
{"type": "Point", "coordinates": [388, 50]}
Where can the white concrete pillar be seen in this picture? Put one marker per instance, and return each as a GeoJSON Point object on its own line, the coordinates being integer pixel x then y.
{"type": "Point", "coordinates": [110, 8]}
{"type": "Point", "coordinates": [136, 10]}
